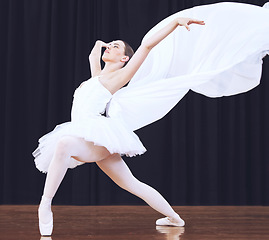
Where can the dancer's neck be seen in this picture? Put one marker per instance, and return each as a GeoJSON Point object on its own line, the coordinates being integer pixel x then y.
{"type": "Point", "coordinates": [111, 67]}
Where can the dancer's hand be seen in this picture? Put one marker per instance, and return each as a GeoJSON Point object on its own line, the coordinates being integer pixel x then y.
{"type": "Point", "coordinates": [101, 43]}
{"type": "Point", "coordinates": [185, 22]}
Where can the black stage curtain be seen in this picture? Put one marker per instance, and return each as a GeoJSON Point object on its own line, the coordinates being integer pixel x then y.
{"type": "Point", "coordinates": [204, 152]}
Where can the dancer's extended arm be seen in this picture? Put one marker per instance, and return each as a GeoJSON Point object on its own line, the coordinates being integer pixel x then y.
{"type": "Point", "coordinates": [142, 52]}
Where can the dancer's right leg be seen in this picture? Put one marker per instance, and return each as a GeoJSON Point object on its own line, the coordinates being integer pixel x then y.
{"type": "Point", "coordinates": [55, 175]}
{"type": "Point", "coordinates": [66, 148]}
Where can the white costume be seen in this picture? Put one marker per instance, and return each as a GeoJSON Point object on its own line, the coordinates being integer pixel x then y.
{"type": "Point", "coordinates": [90, 100]}
{"type": "Point", "coordinates": [222, 58]}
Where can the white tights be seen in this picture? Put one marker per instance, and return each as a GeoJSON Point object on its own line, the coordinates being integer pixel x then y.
{"type": "Point", "coordinates": [112, 165]}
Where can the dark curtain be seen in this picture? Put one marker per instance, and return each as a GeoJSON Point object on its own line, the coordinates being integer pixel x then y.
{"type": "Point", "coordinates": [204, 152]}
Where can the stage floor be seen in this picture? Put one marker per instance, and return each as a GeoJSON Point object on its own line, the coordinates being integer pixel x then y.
{"type": "Point", "coordinates": [137, 223]}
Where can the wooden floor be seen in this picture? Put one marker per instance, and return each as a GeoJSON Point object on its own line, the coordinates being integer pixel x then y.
{"type": "Point", "coordinates": [136, 223]}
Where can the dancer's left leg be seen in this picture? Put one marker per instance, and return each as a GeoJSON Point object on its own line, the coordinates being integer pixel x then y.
{"type": "Point", "coordinates": [119, 172]}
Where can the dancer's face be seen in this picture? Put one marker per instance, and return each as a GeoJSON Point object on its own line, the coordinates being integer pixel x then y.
{"type": "Point", "coordinates": [115, 52]}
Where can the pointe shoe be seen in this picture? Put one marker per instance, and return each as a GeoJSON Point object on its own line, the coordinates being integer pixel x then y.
{"type": "Point", "coordinates": [45, 221]}
{"type": "Point", "coordinates": [168, 222]}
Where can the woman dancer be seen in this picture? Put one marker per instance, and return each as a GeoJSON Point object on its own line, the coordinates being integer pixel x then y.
{"type": "Point", "coordinates": [222, 58]}
{"type": "Point", "coordinates": [81, 141]}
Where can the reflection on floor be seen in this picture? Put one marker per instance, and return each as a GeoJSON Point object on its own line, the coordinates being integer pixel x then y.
{"type": "Point", "coordinates": [136, 223]}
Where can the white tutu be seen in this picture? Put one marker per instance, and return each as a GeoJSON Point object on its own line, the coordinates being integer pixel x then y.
{"type": "Point", "coordinates": [108, 132]}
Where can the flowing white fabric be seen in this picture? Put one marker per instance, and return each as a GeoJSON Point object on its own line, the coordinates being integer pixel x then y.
{"type": "Point", "coordinates": [266, 5]}
{"type": "Point", "coordinates": [222, 58]}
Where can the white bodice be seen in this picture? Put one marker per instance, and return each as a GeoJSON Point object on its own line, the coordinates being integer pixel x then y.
{"type": "Point", "coordinates": [90, 99]}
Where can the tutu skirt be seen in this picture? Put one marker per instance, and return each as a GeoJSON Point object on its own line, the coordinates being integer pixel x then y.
{"type": "Point", "coordinates": [111, 133]}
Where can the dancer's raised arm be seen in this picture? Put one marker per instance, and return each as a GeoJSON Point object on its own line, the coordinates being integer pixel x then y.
{"type": "Point", "coordinates": [94, 57]}
{"type": "Point", "coordinates": [144, 49]}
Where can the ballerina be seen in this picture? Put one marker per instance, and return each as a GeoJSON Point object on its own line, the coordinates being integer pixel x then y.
{"type": "Point", "coordinates": [169, 62]}
{"type": "Point", "coordinates": [83, 141]}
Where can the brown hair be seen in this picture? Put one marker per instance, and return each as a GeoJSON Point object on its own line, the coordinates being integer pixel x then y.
{"type": "Point", "coordinates": [128, 52]}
